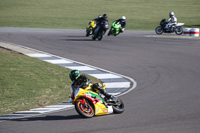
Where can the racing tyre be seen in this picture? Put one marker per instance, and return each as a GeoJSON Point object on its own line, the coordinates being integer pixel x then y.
{"type": "Point", "coordinates": [85, 110]}
{"type": "Point", "coordinates": [179, 30]}
{"type": "Point", "coordinates": [159, 30]}
{"type": "Point", "coordinates": [87, 33]}
{"type": "Point", "coordinates": [118, 108]}
{"type": "Point", "coordinates": [109, 33]}
{"type": "Point", "coordinates": [100, 37]}
{"type": "Point", "coordinates": [93, 37]}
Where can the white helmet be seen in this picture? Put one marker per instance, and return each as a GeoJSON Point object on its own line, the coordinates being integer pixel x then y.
{"type": "Point", "coordinates": [171, 14]}
{"type": "Point", "coordinates": [123, 17]}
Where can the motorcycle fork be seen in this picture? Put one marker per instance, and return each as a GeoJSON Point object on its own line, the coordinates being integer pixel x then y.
{"type": "Point", "coordinates": [84, 102]}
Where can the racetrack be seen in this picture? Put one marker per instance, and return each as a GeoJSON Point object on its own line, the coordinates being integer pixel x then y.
{"type": "Point", "coordinates": [165, 100]}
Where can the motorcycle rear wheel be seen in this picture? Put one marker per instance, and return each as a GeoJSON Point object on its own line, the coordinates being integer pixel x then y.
{"type": "Point", "coordinates": [118, 108]}
{"type": "Point", "coordinates": [93, 37]}
{"type": "Point", "coordinates": [159, 30]}
{"type": "Point", "coordinates": [87, 112]}
{"type": "Point", "coordinates": [100, 37]}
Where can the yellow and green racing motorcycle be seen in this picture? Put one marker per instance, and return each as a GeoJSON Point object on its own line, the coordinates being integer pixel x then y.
{"type": "Point", "coordinates": [89, 103]}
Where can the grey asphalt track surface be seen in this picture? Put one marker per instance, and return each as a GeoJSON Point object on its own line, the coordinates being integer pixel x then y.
{"type": "Point", "coordinates": [167, 71]}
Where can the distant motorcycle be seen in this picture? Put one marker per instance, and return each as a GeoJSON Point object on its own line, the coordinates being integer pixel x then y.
{"type": "Point", "coordinates": [177, 28]}
{"type": "Point", "coordinates": [90, 27]}
{"type": "Point", "coordinates": [115, 29]}
{"type": "Point", "coordinates": [100, 30]}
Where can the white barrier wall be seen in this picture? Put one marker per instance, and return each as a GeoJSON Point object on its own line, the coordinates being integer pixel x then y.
{"type": "Point", "coordinates": [191, 31]}
{"type": "Point", "coordinates": [194, 32]}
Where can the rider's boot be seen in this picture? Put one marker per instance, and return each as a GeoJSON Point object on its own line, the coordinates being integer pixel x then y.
{"type": "Point", "coordinates": [102, 91]}
{"type": "Point", "coordinates": [107, 96]}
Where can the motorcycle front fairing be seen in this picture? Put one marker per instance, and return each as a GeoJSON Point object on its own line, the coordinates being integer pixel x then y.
{"type": "Point", "coordinates": [98, 102]}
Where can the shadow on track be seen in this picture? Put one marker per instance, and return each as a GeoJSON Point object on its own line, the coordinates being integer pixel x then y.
{"type": "Point", "coordinates": [77, 38]}
{"type": "Point", "coordinates": [50, 118]}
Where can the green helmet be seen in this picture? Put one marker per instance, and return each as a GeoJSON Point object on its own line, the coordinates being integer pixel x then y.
{"type": "Point", "coordinates": [74, 75]}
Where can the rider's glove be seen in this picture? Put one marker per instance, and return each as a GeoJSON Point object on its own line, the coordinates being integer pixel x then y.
{"type": "Point", "coordinates": [84, 84]}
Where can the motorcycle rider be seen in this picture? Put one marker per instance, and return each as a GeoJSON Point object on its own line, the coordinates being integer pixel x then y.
{"type": "Point", "coordinates": [83, 81]}
{"type": "Point", "coordinates": [97, 19]}
{"type": "Point", "coordinates": [101, 19]}
{"type": "Point", "coordinates": [121, 21]}
{"type": "Point", "coordinates": [94, 23]}
{"type": "Point", "coordinates": [104, 17]}
{"type": "Point", "coordinates": [171, 20]}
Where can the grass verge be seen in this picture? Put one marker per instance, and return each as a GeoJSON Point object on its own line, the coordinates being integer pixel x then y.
{"type": "Point", "coordinates": [75, 14]}
{"type": "Point", "coordinates": [27, 83]}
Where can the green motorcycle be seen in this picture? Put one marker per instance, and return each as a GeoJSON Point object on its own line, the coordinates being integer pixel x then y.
{"type": "Point", "coordinates": [115, 29]}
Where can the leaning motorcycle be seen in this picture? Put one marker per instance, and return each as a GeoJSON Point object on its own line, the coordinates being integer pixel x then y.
{"type": "Point", "coordinates": [90, 27]}
{"type": "Point", "coordinates": [89, 103]}
{"type": "Point", "coordinates": [177, 28]}
{"type": "Point", "coordinates": [115, 29]}
{"type": "Point", "coordinates": [100, 30]}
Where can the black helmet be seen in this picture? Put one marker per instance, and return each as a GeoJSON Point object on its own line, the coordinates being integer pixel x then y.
{"type": "Point", "coordinates": [74, 75]}
{"type": "Point", "coordinates": [105, 16]}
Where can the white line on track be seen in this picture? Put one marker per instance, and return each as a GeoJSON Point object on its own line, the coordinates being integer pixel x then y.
{"type": "Point", "coordinates": [81, 68]}
{"type": "Point", "coordinates": [58, 61]}
{"type": "Point", "coordinates": [118, 85]}
{"type": "Point", "coordinates": [105, 76]}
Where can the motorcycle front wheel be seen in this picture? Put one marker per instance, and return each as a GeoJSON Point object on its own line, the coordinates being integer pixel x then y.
{"type": "Point", "coordinates": [85, 110]}
{"type": "Point", "coordinates": [159, 30]}
{"type": "Point", "coordinates": [87, 32]}
{"type": "Point", "coordinates": [100, 37]}
{"type": "Point", "coordinates": [93, 37]}
{"type": "Point", "coordinates": [118, 107]}
{"type": "Point", "coordinates": [110, 32]}
{"type": "Point", "coordinates": [179, 30]}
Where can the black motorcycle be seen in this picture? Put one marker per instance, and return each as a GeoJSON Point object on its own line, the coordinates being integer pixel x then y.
{"type": "Point", "coordinates": [100, 30]}
{"type": "Point", "coordinates": [177, 28]}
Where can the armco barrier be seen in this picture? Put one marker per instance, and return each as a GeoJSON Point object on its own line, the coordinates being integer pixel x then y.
{"type": "Point", "coordinates": [191, 32]}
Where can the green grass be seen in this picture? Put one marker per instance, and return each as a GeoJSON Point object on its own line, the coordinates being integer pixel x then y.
{"type": "Point", "coordinates": [75, 14]}
{"type": "Point", "coordinates": [27, 83]}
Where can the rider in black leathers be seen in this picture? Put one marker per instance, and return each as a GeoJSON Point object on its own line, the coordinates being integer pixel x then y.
{"type": "Point", "coordinates": [101, 19]}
